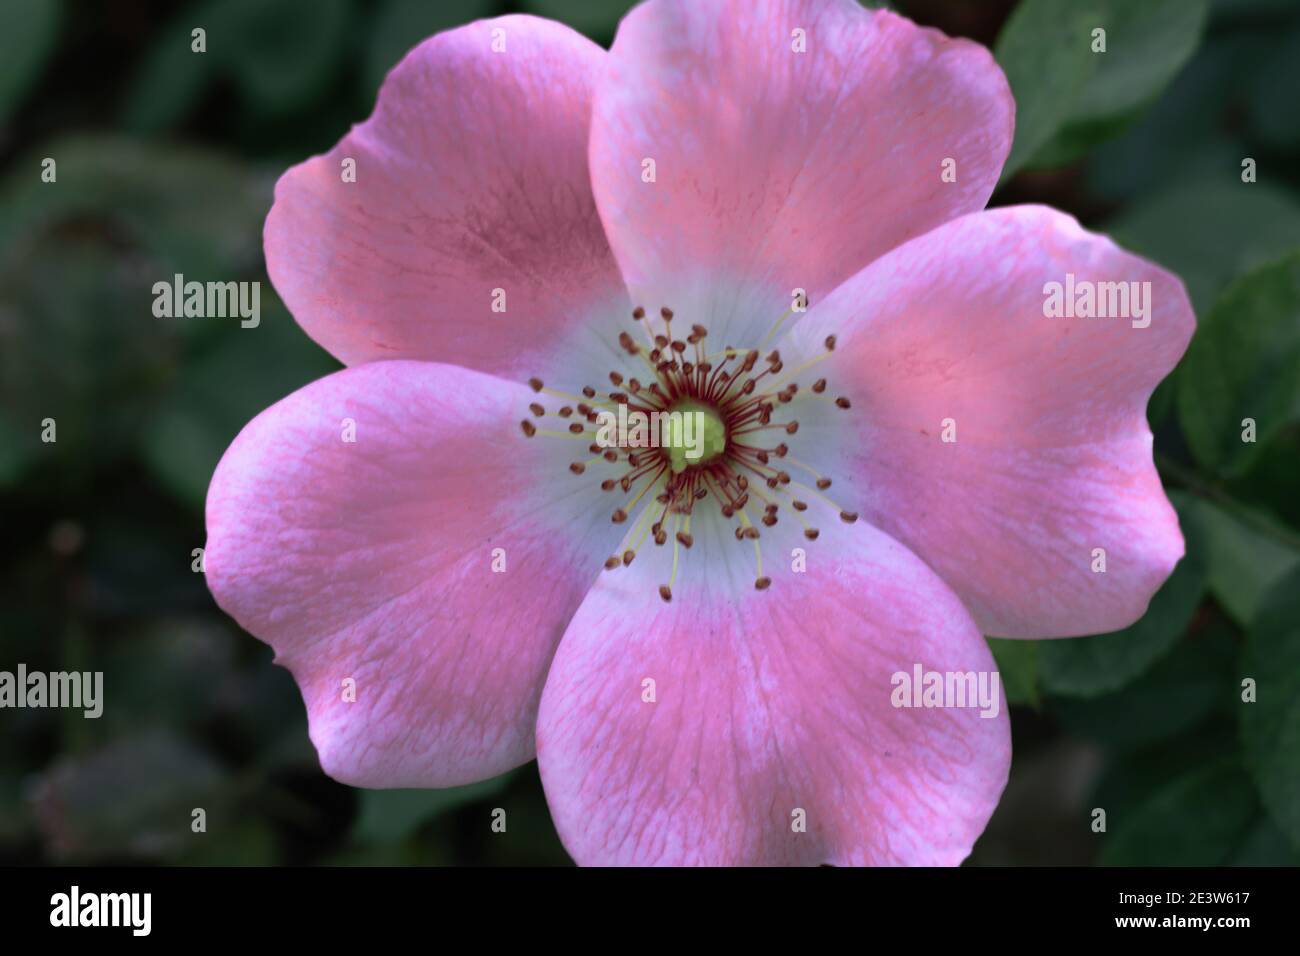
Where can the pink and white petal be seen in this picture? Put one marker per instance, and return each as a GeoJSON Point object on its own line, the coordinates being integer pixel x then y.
{"type": "Point", "coordinates": [431, 560]}
{"type": "Point", "coordinates": [470, 234]}
{"type": "Point", "coordinates": [766, 704]}
{"type": "Point", "coordinates": [785, 169]}
{"type": "Point", "coordinates": [947, 337]}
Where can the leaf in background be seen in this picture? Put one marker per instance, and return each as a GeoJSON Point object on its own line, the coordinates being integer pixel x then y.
{"type": "Point", "coordinates": [281, 55]}
{"type": "Point", "coordinates": [30, 30]}
{"type": "Point", "coordinates": [250, 370]}
{"type": "Point", "coordinates": [400, 25]}
{"type": "Point", "coordinates": [1209, 232]}
{"type": "Point", "coordinates": [171, 78]}
{"type": "Point", "coordinates": [1017, 662]}
{"type": "Point", "coordinates": [1265, 845]}
{"type": "Point", "coordinates": [1089, 666]}
{"type": "Point", "coordinates": [1273, 105]}
{"type": "Point", "coordinates": [192, 210]}
{"type": "Point", "coordinates": [1147, 44]}
{"type": "Point", "coordinates": [1244, 362]}
{"type": "Point", "coordinates": [598, 19]}
{"type": "Point", "coordinates": [1243, 563]}
{"type": "Point", "coordinates": [1270, 727]}
{"type": "Point", "coordinates": [1271, 481]}
{"type": "Point", "coordinates": [389, 816]}
{"type": "Point", "coordinates": [133, 799]}
{"type": "Point", "coordinates": [1195, 819]}
{"type": "Point", "coordinates": [1045, 51]}
{"type": "Point", "coordinates": [1193, 681]}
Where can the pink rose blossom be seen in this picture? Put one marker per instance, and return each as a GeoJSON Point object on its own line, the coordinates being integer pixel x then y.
{"type": "Point", "coordinates": [699, 657]}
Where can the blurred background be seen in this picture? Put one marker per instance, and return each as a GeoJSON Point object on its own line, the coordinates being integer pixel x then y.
{"type": "Point", "coordinates": [166, 161]}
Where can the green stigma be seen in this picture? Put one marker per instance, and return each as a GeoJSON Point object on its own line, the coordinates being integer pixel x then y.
{"type": "Point", "coordinates": [693, 437]}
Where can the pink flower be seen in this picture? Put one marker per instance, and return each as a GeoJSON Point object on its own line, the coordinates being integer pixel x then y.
{"type": "Point", "coordinates": [724, 692]}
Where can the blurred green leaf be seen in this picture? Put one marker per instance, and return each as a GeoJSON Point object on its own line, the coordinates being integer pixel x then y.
{"type": "Point", "coordinates": [190, 210]}
{"type": "Point", "coordinates": [171, 78]}
{"type": "Point", "coordinates": [30, 29]}
{"type": "Point", "coordinates": [250, 370]}
{"type": "Point", "coordinates": [1265, 845]}
{"type": "Point", "coordinates": [132, 799]}
{"type": "Point", "coordinates": [1209, 232]}
{"type": "Point", "coordinates": [1196, 819]}
{"type": "Point", "coordinates": [400, 25]}
{"type": "Point", "coordinates": [1271, 725]}
{"type": "Point", "coordinates": [1045, 51]}
{"type": "Point", "coordinates": [280, 54]}
{"type": "Point", "coordinates": [1243, 562]}
{"type": "Point", "coordinates": [1017, 662]}
{"type": "Point", "coordinates": [1273, 104]}
{"type": "Point", "coordinates": [1147, 44]}
{"type": "Point", "coordinates": [388, 816]}
{"type": "Point", "coordinates": [1089, 666]}
{"type": "Point", "coordinates": [1244, 362]}
{"type": "Point", "coordinates": [1183, 688]}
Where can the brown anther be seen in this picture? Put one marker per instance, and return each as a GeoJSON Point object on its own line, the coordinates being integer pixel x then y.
{"type": "Point", "coordinates": [842, 402]}
{"type": "Point", "coordinates": [780, 450]}
{"type": "Point", "coordinates": [612, 562]}
{"type": "Point", "coordinates": [616, 378]}
{"type": "Point", "coordinates": [848, 517]}
{"type": "Point", "coordinates": [823, 483]}
{"type": "Point", "coordinates": [769, 519]}
{"type": "Point", "coordinates": [665, 592]}
{"type": "Point", "coordinates": [700, 493]}
{"type": "Point", "coordinates": [620, 397]}
{"type": "Point", "coordinates": [619, 516]}
{"type": "Point", "coordinates": [667, 314]}
{"type": "Point", "coordinates": [610, 455]}
{"type": "Point", "coordinates": [638, 313]}
{"type": "Point", "coordinates": [679, 346]}
{"type": "Point", "coordinates": [700, 331]}
{"type": "Point", "coordinates": [594, 448]}
{"type": "Point", "coordinates": [633, 386]}
{"type": "Point", "coordinates": [536, 384]}
{"type": "Point", "coordinates": [762, 584]}
{"type": "Point", "coordinates": [661, 536]}
{"type": "Point", "coordinates": [751, 532]}
{"type": "Point", "coordinates": [608, 484]}
{"type": "Point", "coordinates": [625, 483]}
{"type": "Point", "coordinates": [566, 412]}
{"type": "Point", "coordinates": [776, 367]}
{"type": "Point", "coordinates": [588, 391]}
{"type": "Point", "coordinates": [830, 343]}
{"type": "Point", "coordinates": [740, 533]}
{"type": "Point", "coordinates": [684, 539]}
{"type": "Point", "coordinates": [783, 477]}
{"type": "Point", "coordinates": [628, 555]}
{"type": "Point", "coordinates": [742, 500]}
{"type": "Point", "coordinates": [537, 410]}
{"type": "Point", "coordinates": [798, 505]}
{"type": "Point", "coordinates": [819, 386]}
{"type": "Point", "coordinates": [761, 456]}
{"type": "Point", "coordinates": [661, 341]}
{"type": "Point", "coordinates": [742, 482]}
{"type": "Point", "coordinates": [791, 428]}
{"type": "Point", "coordinates": [811, 534]}
{"type": "Point", "coordinates": [774, 356]}
{"type": "Point", "coordinates": [577, 467]}
{"type": "Point", "coordinates": [575, 428]}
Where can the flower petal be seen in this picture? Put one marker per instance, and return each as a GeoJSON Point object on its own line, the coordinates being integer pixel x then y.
{"type": "Point", "coordinates": [765, 704]}
{"type": "Point", "coordinates": [947, 337]}
{"type": "Point", "coordinates": [376, 560]}
{"type": "Point", "coordinates": [470, 177]}
{"type": "Point", "coordinates": [781, 168]}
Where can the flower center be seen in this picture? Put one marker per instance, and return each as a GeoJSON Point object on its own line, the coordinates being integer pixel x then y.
{"type": "Point", "coordinates": [701, 430]}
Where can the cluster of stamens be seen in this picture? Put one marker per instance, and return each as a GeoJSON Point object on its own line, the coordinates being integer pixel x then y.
{"type": "Point", "coordinates": [750, 395]}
